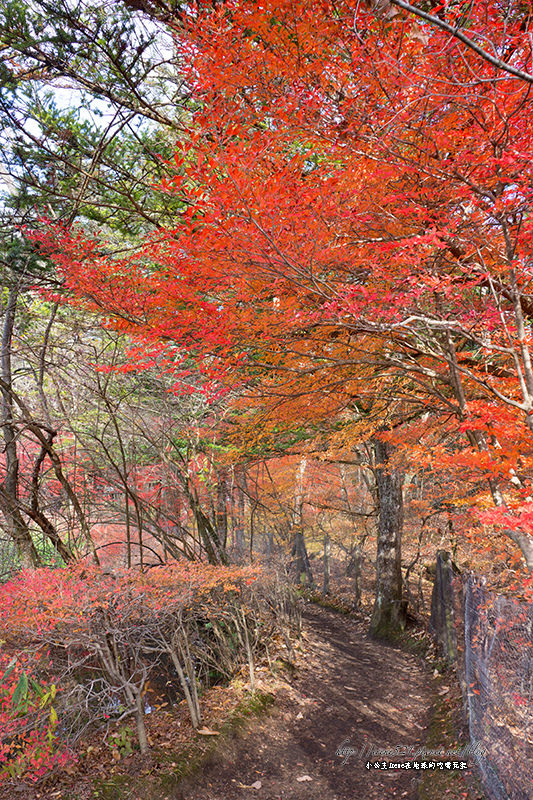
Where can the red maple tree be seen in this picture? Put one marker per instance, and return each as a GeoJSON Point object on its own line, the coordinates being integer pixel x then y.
{"type": "Point", "coordinates": [358, 233]}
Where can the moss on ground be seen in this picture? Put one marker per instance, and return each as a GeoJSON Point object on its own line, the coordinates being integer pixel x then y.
{"type": "Point", "coordinates": [416, 641]}
{"type": "Point", "coordinates": [112, 788]}
{"type": "Point", "coordinates": [328, 601]}
{"type": "Point", "coordinates": [176, 766]}
{"type": "Point", "coordinates": [445, 733]}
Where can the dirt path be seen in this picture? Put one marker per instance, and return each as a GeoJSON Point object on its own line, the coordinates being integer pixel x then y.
{"type": "Point", "coordinates": [349, 690]}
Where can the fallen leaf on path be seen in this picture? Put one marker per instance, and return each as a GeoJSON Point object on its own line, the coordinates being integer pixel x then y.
{"type": "Point", "coordinates": [256, 785]}
{"type": "Point", "coordinates": [304, 778]}
{"type": "Point", "coordinates": [207, 732]}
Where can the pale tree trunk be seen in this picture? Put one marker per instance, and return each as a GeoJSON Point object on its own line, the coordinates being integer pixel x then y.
{"type": "Point", "coordinates": [354, 565]}
{"type": "Point", "coordinates": [326, 561]}
{"type": "Point", "coordinates": [269, 542]}
{"type": "Point", "coordinates": [142, 736]}
{"type": "Point", "coordinates": [238, 519]}
{"type": "Point", "coordinates": [389, 614]}
{"type": "Point", "coordinates": [354, 571]}
{"type": "Point", "coordinates": [221, 512]}
{"type": "Point", "coordinates": [183, 663]}
{"type": "Point", "coordinates": [15, 525]}
{"type": "Point", "coordinates": [299, 553]}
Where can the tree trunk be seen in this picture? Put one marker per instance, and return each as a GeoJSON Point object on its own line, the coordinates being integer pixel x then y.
{"type": "Point", "coordinates": [15, 525]}
{"type": "Point", "coordinates": [389, 614]}
{"type": "Point", "coordinates": [221, 512]}
{"type": "Point", "coordinates": [442, 621]}
{"type": "Point", "coordinates": [237, 506]}
{"type": "Point", "coordinates": [327, 549]}
{"type": "Point", "coordinates": [208, 534]}
{"type": "Point", "coordinates": [187, 682]}
{"type": "Point", "coordinates": [142, 736]}
{"type": "Point", "coordinates": [354, 571]}
{"type": "Point", "coordinates": [299, 550]}
{"type": "Point", "coordinates": [269, 542]}
{"type": "Point", "coordinates": [301, 563]}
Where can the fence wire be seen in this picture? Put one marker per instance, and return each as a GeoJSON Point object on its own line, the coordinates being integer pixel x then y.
{"type": "Point", "coordinates": [493, 653]}
{"type": "Point", "coordinates": [498, 682]}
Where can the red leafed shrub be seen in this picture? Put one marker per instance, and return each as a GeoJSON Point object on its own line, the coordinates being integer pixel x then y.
{"type": "Point", "coordinates": [28, 722]}
{"type": "Point", "coordinates": [98, 636]}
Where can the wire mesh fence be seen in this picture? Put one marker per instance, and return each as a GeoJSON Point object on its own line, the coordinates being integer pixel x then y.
{"type": "Point", "coordinates": [493, 652]}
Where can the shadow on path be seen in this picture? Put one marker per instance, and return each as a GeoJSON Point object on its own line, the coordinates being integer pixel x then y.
{"type": "Point", "coordinates": [349, 690]}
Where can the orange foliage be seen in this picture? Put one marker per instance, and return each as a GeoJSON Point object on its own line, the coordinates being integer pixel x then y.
{"type": "Point", "coordinates": [358, 236]}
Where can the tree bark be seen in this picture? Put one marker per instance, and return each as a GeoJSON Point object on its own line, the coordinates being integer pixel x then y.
{"type": "Point", "coordinates": [222, 507]}
{"type": "Point", "coordinates": [302, 565]}
{"type": "Point", "coordinates": [9, 488]}
{"type": "Point", "coordinates": [354, 571]}
{"type": "Point", "coordinates": [142, 735]}
{"type": "Point", "coordinates": [216, 554]}
{"type": "Point", "coordinates": [389, 614]}
{"type": "Point", "coordinates": [301, 562]}
{"type": "Point", "coordinates": [326, 561]}
{"type": "Point", "coordinates": [237, 507]}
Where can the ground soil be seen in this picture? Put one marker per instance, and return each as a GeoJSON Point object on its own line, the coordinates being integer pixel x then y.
{"type": "Point", "coordinates": [348, 691]}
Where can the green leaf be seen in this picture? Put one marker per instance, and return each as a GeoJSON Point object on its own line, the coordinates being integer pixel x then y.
{"type": "Point", "coordinates": [9, 670]}
{"type": "Point", "coordinates": [37, 688]}
{"type": "Point", "coordinates": [21, 690]}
